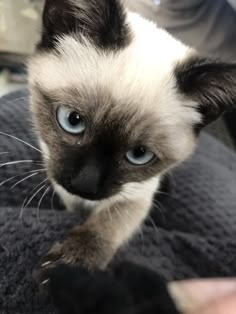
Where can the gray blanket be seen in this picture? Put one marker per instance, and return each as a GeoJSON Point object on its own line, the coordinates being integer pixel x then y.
{"type": "Point", "coordinates": [190, 233]}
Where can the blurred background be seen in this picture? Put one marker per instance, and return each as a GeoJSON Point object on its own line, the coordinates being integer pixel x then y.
{"type": "Point", "coordinates": [20, 23]}
{"type": "Point", "coordinates": [208, 25]}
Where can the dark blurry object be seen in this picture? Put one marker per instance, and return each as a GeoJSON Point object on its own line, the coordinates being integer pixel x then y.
{"type": "Point", "coordinates": [128, 289]}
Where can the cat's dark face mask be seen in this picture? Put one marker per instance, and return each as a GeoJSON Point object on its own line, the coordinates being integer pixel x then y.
{"type": "Point", "coordinates": [94, 153]}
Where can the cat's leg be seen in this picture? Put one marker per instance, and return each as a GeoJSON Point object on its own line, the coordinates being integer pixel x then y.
{"type": "Point", "coordinates": [94, 244]}
{"type": "Point", "coordinates": [112, 224]}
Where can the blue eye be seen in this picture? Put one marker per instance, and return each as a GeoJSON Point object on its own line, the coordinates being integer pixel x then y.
{"type": "Point", "coordinates": [139, 156]}
{"type": "Point", "coordinates": [70, 121]}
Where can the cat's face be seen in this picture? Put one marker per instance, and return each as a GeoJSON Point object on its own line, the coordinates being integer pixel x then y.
{"type": "Point", "coordinates": [115, 100]}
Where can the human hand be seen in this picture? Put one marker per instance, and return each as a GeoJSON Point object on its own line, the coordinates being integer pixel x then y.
{"type": "Point", "coordinates": [205, 296]}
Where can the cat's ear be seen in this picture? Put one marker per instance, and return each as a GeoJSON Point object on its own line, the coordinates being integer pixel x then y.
{"type": "Point", "coordinates": [103, 21]}
{"type": "Point", "coordinates": [209, 83]}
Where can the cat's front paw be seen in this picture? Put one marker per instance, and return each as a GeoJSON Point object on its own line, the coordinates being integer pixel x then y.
{"type": "Point", "coordinates": [82, 247]}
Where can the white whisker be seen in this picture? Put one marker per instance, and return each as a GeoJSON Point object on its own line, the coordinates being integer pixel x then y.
{"type": "Point", "coordinates": [41, 200]}
{"type": "Point", "coordinates": [109, 213]}
{"type": "Point", "coordinates": [4, 153]}
{"type": "Point", "coordinates": [52, 200]}
{"type": "Point", "coordinates": [153, 223]}
{"type": "Point", "coordinates": [8, 180]}
{"type": "Point", "coordinates": [140, 231]}
{"type": "Point", "coordinates": [24, 205]}
{"type": "Point", "coordinates": [159, 207]}
{"type": "Point", "coordinates": [122, 218]}
{"type": "Point", "coordinates": [166, 194]}
{"type": "Point", "coordinates": [14, 177]}
{"type": "Point", "coordinates": [124, 196]}
{"type": "Point", "coordinates": [17, 162]}
{"type": "Point", "coordinates": [20, 140]}
{"type": "Point", "coordinates": [16, 100]}
{"type": "Point", "coordinates": [35, 194]}
{"type": "Point", "coordinates": [24, 179]}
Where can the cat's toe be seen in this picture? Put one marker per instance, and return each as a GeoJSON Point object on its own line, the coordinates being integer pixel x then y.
{"type": "Point", "coordinates": [42, 277]}
{"type": "Point", "coordinates": [53, 257]}
{"type": "Point", "coordinates": [42, 272]}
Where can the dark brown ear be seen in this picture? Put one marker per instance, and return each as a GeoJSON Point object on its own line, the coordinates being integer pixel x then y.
{"type": "Point", "coordinates": [211, 83]}
{"type": "Point", "coordinates": [103, 21]}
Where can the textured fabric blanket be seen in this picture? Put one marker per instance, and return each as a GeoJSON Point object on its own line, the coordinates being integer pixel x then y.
{"type": "Point", "coordinates": [191, 231]}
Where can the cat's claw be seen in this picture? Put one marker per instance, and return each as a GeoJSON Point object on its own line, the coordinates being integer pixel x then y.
{"type": "Point", "coordinates": [46, 264]}
{"type": "Point", "coordinates": [46, 281]}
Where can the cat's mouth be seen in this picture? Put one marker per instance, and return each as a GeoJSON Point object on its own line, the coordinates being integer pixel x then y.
{"type": "Point", "coordinates": [86, 195]}
{"type": "Point", "coordinates": [83, 192]}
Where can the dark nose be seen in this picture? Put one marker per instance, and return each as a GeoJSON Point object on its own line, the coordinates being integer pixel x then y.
{"type": "Point", "coordinates": [86, 183]}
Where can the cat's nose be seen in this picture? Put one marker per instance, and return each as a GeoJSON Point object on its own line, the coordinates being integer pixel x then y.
{"type": "Point", "coordinates": [87, 182]}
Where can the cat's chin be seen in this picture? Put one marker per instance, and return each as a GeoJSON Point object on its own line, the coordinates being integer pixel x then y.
{"type": "Point", "coordinates": [73, 202]}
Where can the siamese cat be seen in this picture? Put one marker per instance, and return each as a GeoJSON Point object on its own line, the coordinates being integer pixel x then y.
{"type": "Point", "coordinates": [117, 102]}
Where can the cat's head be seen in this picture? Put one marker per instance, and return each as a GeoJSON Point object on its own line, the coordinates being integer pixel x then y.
{"type": "Point", "coordinates": [116, 100]}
